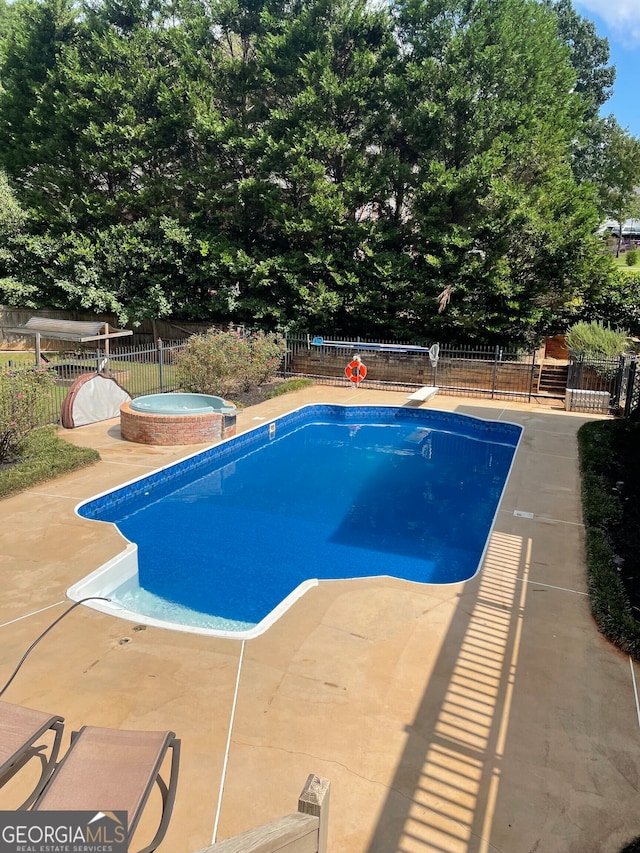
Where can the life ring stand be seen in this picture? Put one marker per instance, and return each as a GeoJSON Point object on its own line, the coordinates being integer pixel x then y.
{"type": "Point", "coordinates": [355, 371]}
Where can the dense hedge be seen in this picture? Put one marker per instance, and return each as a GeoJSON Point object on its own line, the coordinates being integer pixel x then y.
{"type": "Point", "coordinates": [610, 464]}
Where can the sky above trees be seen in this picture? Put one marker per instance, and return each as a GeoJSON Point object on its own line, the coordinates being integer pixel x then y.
{"type": "Point", "coordinates": [619, 22]}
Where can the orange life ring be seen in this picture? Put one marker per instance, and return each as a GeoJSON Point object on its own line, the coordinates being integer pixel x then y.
{"type": "Point", "coordinates": [355, 371]}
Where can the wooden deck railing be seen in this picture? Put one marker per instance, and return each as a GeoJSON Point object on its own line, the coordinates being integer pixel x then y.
{"type": "Point", "coordinates": [304, 831]}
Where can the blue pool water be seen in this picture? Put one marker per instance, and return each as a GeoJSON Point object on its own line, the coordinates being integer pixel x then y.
{"type": "Point", "coordinates": [333, 492]}
{"type": "Point", "coordinates": [180, 404]}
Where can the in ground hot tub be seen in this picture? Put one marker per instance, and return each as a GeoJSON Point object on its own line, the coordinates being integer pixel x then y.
{"type": "Point", "coordinates": [180, 404]}
{"type": "Point", "coordinates": [168, 419]}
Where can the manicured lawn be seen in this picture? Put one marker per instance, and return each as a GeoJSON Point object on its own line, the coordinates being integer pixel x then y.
{"type": "Point", "coordinates": [44, 456]}
{"type": "Point", "coordinates": [621, 263]}
{"type": "Point", "coordinates": [17, 359]}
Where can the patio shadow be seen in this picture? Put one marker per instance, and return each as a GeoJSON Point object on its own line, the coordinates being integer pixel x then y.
{"type": "Point", "coordinates": [444, 792]}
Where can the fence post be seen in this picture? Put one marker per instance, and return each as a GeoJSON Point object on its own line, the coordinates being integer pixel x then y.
{"type": "Point", "coordinates": [495, 371]}
{"type": "Point", "coordinates": [631, 381]}
{"type": "Point", "coordinates": [314, 801]}
{"type": "Point", "coordinates": [618, 383]}
{"type": "Point", "coordinates": [533, 373]}
{"type": "Point", "coordinates": [580, 371]}
{"type": "Point", "coordinates": [576, 368]}
{"type": "Point", "coordinates": [160, 364]}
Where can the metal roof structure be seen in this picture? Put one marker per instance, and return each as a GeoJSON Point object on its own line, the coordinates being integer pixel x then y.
{"type": "Point", "coordinates": [68, 330]}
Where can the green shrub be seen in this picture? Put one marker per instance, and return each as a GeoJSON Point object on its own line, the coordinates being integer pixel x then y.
{"type": "Point", "coordinates": [603, 449]}
{"type": "Point", "coordinates": [631, 258]}
{"type": "Point", "coordinates": [288, 386]}
{"type": "Point", "coordinates": [23, 398]}
{"type": "Point", "coordinates": [596, 339]}
{"type": "Point", "coordinates": [632, 282]}
{"type": "Point", "coordinates": [227, 363]}
{"type": "Point", "coordinates": [600, 507]}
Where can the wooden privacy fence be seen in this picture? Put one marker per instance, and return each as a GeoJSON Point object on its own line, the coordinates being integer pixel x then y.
{"type": "Point", "coordinates": [304, 831]}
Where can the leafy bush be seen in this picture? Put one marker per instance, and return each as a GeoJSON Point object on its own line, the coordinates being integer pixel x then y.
{"type": "Point", "coordinates": [43, 456]}
{"type": "Point", "coordinates": [617, 303]}
{"type": "Point", "coordinates": [631, 258]}
{"type": "Point", "coordinates": [23, 396]}
{"type": "Point", "coordinates": [226, 363]}
{"type": "Point", "coordinates": [597, 339]}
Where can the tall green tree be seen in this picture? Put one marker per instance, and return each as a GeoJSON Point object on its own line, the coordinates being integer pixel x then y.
{"type": "Point", "coordinates": [5, 10]}
{"type": "Point", "coordinates": [498, 218]}
{"type": "Point", "coordinates": [110, 113]}
{"type": "Point", "coordinates": [620, 176]}
{"type": "Point", "coordinates": [295, 143]}
{"type": "Point", "coordinates": [315, 164]}
{"type": "Point", "coordinates": [589, 57]}
{"type": "Point", "coordinates": [38, 32]}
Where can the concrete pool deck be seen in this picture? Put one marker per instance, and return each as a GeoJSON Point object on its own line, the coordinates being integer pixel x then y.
{"type": "Point", "coordinates": [483, 716]}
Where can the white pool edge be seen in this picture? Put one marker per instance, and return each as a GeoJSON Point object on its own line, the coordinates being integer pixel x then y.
{"type": "Point", "coordinates": [123, 567]}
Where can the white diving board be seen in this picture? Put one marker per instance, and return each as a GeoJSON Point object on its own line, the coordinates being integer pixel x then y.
{"type": "Point", "coordinates": [424, 393]}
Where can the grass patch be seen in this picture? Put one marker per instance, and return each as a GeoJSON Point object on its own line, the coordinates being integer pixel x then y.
{"type": "Point", "coordinates": [17, 359]}
{"type": "Point", "coordinates": [287, 386]}
{"type": "Point", "coordinates": [610, 467]}
{"type": "Point", "coordinates": [43, 456]}
{"type": "Point", "coordinates": [621, 264]}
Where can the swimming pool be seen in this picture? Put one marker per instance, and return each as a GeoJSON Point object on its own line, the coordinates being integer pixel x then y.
{"type": "Point", "coordinates": [225, 540]}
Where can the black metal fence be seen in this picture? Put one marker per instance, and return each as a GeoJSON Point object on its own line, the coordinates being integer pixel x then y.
{"type": "Point", "coordinates": [145, 369]}
{"type": "Point", "coordinates": [490, 372]}
{"type": "Point", "coordinates": [632, 390]}
{"type": "Point", "coordinates": [601, 384]}
{"type": "Point", "coordinates": [598, 385]}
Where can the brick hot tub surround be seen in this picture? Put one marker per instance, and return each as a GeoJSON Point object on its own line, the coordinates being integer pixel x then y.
{"type": "Point", "coordinates": [197, 428]}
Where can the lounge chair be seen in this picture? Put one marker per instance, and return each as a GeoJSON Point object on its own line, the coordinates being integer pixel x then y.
{"type": "Point", "coordinates": [21, 729]}
{"type": "Point", "coordinates": [113, 770]}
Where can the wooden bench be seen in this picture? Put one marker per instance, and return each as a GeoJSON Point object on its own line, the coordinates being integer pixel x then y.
{"type": "Point", "coordinates": [424, 393]}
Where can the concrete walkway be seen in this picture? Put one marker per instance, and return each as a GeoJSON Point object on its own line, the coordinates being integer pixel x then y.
{"type": "Point", "coordinates": [484, 716]}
